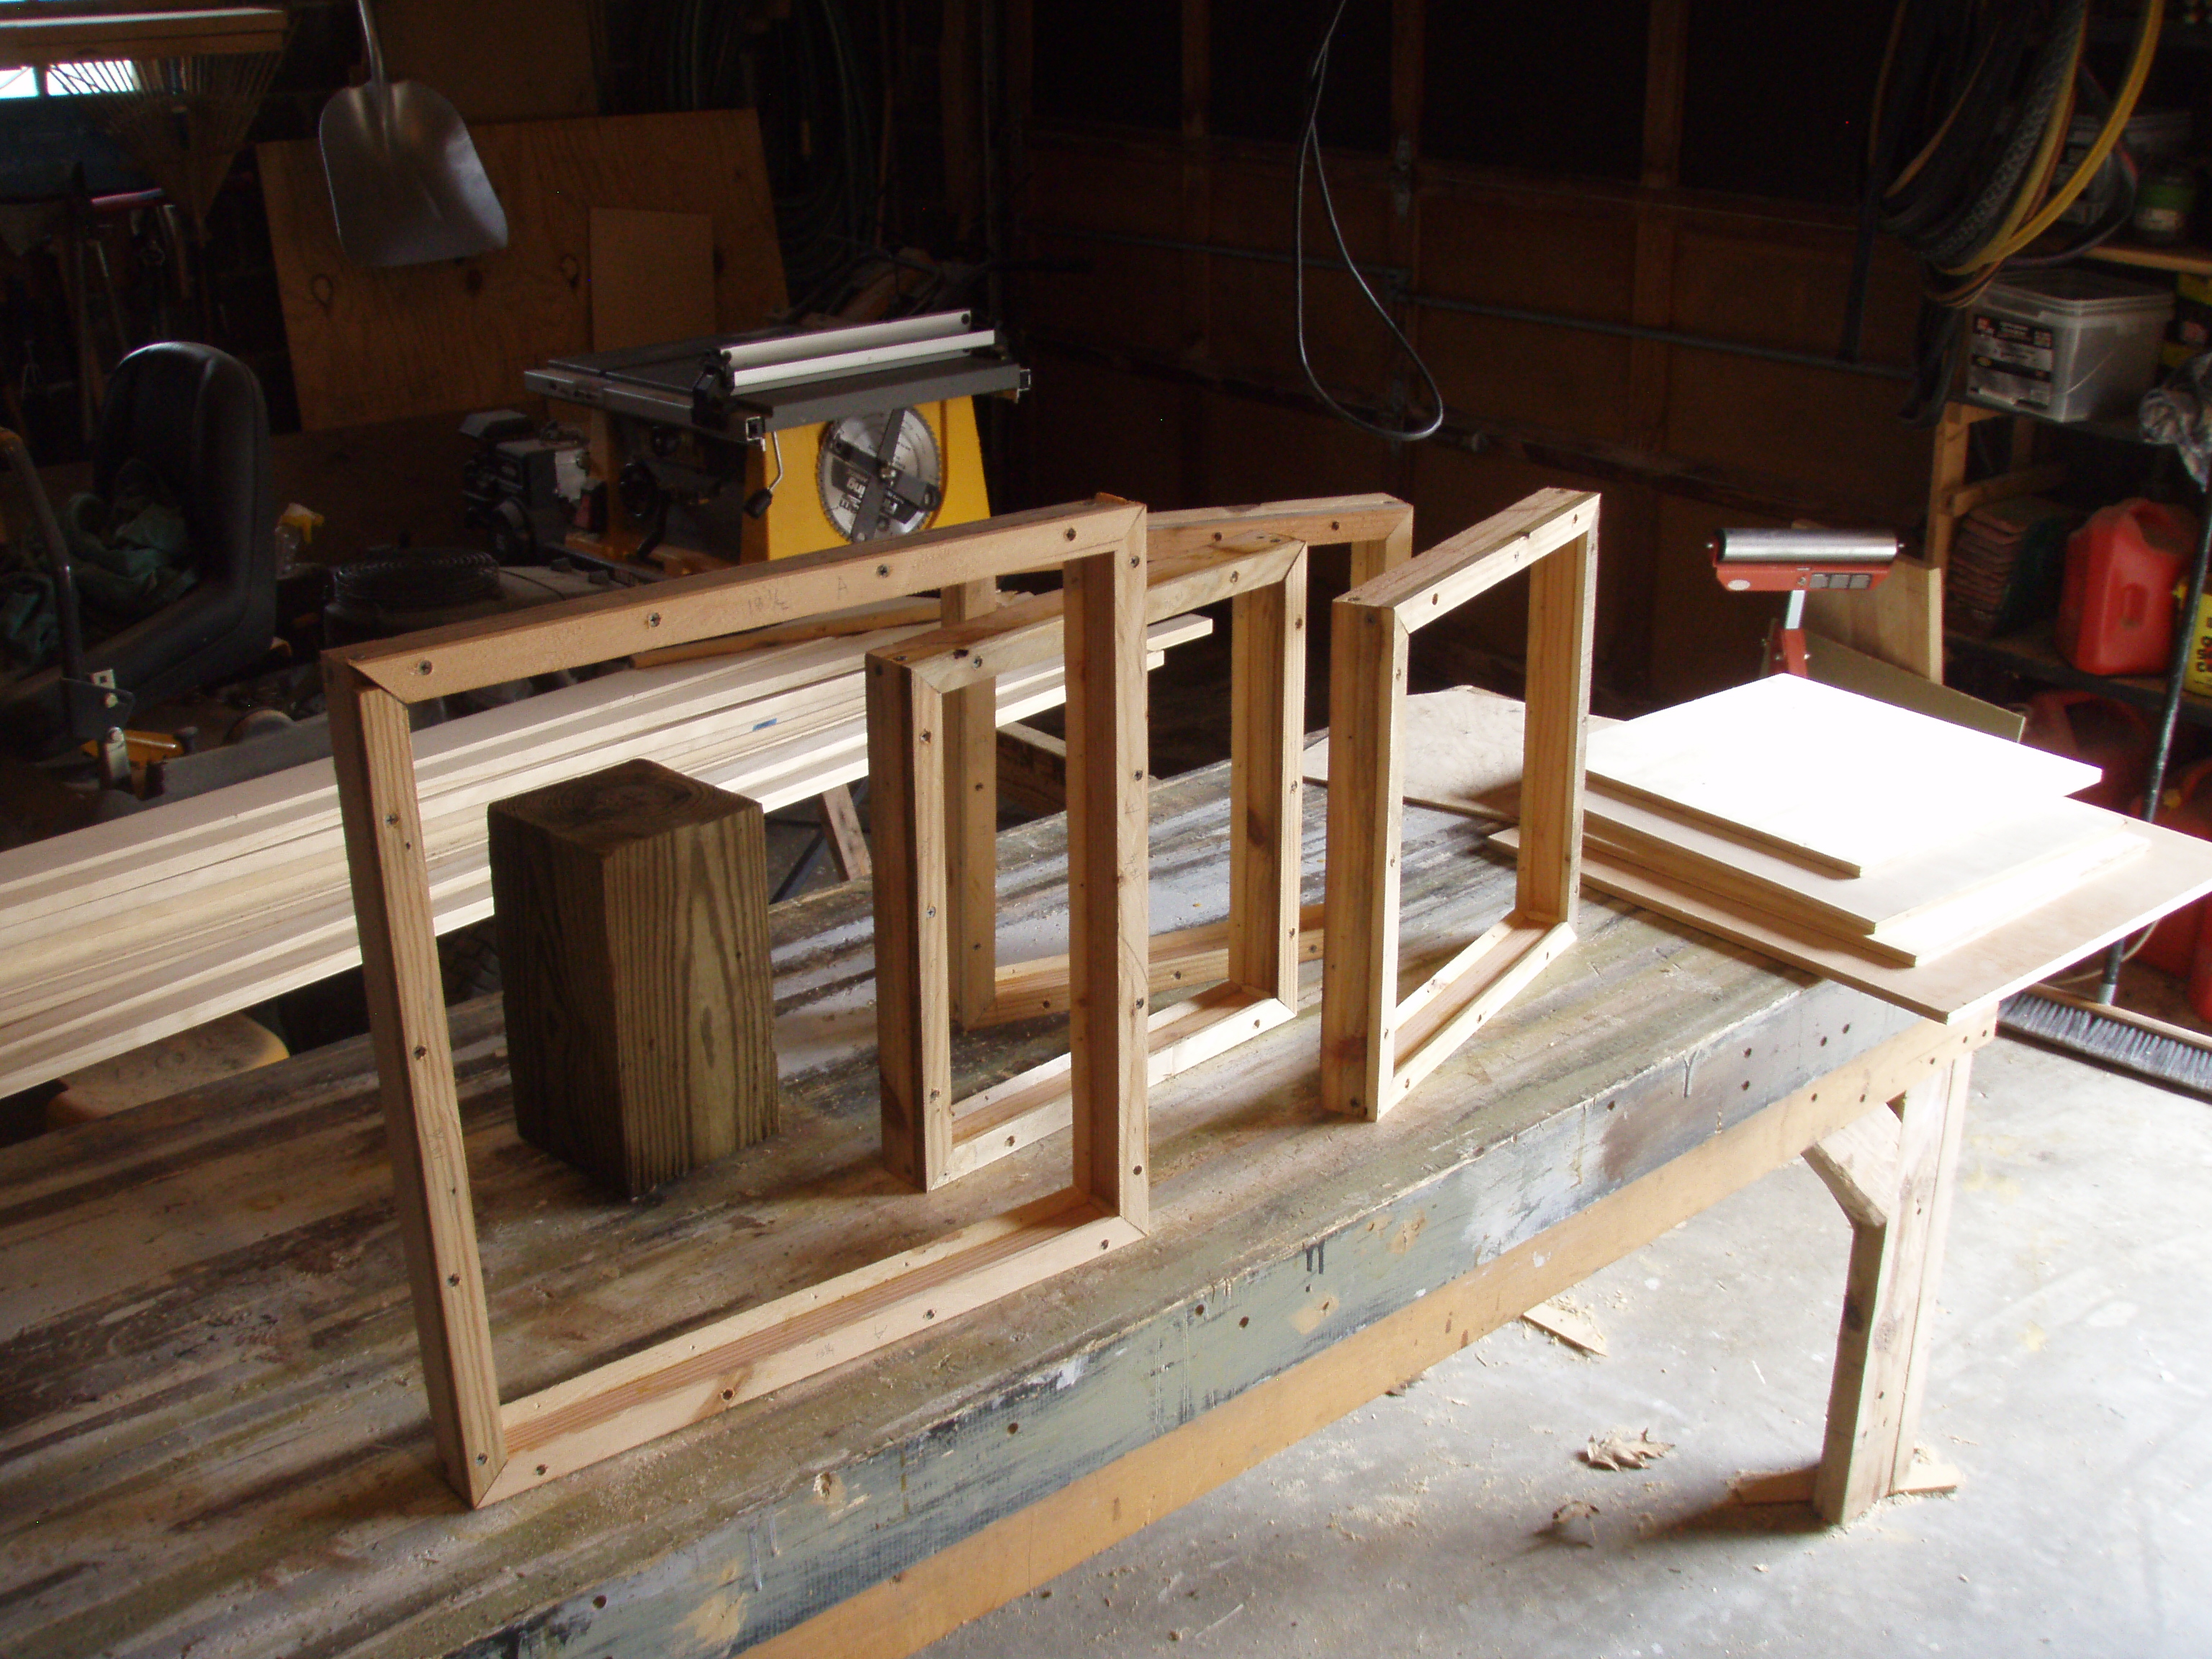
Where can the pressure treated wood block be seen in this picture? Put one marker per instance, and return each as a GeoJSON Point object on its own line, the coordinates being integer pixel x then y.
{"type": "Point", "coordinates": [633, 940]}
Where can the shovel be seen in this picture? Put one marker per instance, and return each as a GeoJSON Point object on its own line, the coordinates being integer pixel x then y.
{"type": "Point", "coordinates": [406, 186]}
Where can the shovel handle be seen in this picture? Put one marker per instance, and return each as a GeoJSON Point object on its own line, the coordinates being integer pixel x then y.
{"type": "Point", "coordinates": [375, 46]}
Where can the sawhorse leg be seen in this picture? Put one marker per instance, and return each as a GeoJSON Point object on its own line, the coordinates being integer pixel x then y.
{"type": "Point", "coordinates": [1892, 1172]}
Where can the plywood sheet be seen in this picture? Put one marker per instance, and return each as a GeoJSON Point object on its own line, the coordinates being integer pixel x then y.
{"type": "Point", "coordinates": [2039, 840]}
{"type": "Point", "coordinates": [380, 345]}
{"type": "Point", "coordinates": [1832, 780]}
{"type": "Point", "coordinates": [652, 278]}
{"type": "Point", "coordinates": [2172, 870]}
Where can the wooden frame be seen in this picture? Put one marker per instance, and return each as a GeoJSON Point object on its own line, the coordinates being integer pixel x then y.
{"type": "Point", "coordinates": [493, 1449]}
{"type": "Point", "coordinates": [1379, 531]}
{"type": "Point", "coordinates": [1376, 1045]}
{"type": "Point", "coordinates": [930, 1138]}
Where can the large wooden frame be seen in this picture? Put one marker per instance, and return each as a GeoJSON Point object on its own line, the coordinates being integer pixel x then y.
{"type": "Point", "coordinates": [493, 1449]}
{"type": "Point", "coordinates": [930, 1137]}
{"type": "Point", "coordinates": [1379, 531]}
{"type": "Point", "coordinates": [1376, 1045]}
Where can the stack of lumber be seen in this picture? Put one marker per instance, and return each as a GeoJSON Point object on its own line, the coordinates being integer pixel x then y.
{"type": "Point", "coordinates": [1933, 865]}
{"type": "Point", "coordinates": [130, 930]}
{"type": "Point", "coordinates": [2005, 565]}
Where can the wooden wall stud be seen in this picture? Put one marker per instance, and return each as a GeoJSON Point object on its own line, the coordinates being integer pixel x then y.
{"type": "Point", "coordinates": [493, 1449]}
{"type": "Point", "coordinates": [1375, 1046]}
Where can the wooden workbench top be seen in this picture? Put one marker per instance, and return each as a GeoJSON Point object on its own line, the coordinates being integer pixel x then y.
{"type": "Point", "coordinates": [213, 1437]}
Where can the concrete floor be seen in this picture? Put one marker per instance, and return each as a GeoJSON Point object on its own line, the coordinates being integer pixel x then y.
{"type": "Point", "coordinates": [2072, 1362]}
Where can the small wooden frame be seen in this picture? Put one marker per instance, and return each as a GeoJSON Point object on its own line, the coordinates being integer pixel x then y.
{"type": "Point", "coordinates": [1376, 1045]}
{"type": "Point", "coordinates": [930, 1138]}
{"type": "Point", "coordinates": [1379, 531]}
{"type": "Point", "coordinates": [493, 1449]}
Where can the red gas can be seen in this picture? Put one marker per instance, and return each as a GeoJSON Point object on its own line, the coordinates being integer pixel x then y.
{"type": "Point", "coordinates": [2116, 608]}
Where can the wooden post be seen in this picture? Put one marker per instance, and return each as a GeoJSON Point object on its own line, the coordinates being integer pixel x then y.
{"type": "Point", "coordinates": [971, 823]}
{"type": "Point", "coordinates": [374, 759]}
{"type": "Point", "coordinates": [841, 828]}
{"type": "Point", "coordinates": [1889, 1300]}
{"type": "Point", "coordinates": [632, 908]}
{"type": "Point", "coordinates": [912, 1039]}
{"type": "Point", "coordinates": [1267, 666]}
{"type": "Point", "coordinates": [1359, 926]}
{"type": "Point", "coordinates": [1108, 927]}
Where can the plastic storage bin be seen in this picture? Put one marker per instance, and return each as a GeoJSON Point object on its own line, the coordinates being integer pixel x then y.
{"type": "Point", "coordinates": [2116, 605]}
{"type": "Point", "coordinates": [2068, 344]}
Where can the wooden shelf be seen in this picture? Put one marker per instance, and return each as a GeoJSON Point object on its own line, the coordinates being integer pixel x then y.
{"type": "Point", "coordinates": [83, 37]}
{"type": "Point", "coordinates": [2032, 656]}
{"type": "Point", "coordinates": [2197, 261]}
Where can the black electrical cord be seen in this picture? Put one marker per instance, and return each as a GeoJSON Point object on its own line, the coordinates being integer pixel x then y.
{"type": "Point", "coordinates": [1309, 146]}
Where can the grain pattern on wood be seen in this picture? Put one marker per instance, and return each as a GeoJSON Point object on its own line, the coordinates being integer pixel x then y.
{"type": "Point", "coordinates": [375, 345]}
{"type": "Point", "coordinates": [652, 278]}
{"type": "Point", "coordinates": [2173, 870]}
{"type": "Point", "coordinates": [440, 661]}
{"type": "Point", "coordinates": [1374, 521]}
{"type": "Point", "coordinates": [1013, 1555]}
{"type": "Point", "coordinates": [633, 931]}
{"type": "Point", "coordinates": [971, 824]}
{"type": "Point", "coordinates": [276, 1194]}
{"type": "Point", "coordinates": [374, 766]}
{"type": "Point", "coordinates": [1105, 676]}
{"type": "Point", "coordinates": [841, 831]}
{"type": "Point", "coordinates": [1841, 783]}
{"type": "Point", "coordinates": [1899, 623]}
{"type": "Point", "coordinates": [912, 988]}
{"type": "Point", "coordinates": [1108, 926]}
{"type": "Point", "coordinates": [1889, 1304]}
{"type": "Point", "coordinates": [1268, 647]}
{"type": "Point", "coordinates": [1375, 1047]}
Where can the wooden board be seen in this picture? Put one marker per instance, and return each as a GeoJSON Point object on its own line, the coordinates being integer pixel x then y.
{"type": "Point", "coordinates": [1902, 890]}
{"type": "Point", "coordinates": [377, 345]}
{"type": "Point", "coordinates": [1834, 780]}
{"type": "Point", "coordinates": [1899, 623]}
{"type": "Point", "coordinates": [1839, 666]}
{"type": "Point", "coordinates": [2173, 870]}
{"type": "Point", "coordinates": [652, 278]}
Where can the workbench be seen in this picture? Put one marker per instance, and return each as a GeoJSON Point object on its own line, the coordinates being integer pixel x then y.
{"type": "Point", "coordinates": [213, 1433]}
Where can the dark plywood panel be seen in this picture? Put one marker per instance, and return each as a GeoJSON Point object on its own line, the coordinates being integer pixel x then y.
{"type": "Point", "coordinates": [1834, 439]}
{"type": "Point", "coordinates": [1555, 379]}
{"type": "Point", "coordinates": [376, 345]}
{"type": "Point", "coordinates": [1704, 638]}
{"type": "Point", "coordinates": [497, 60]}
{"type": "Point", "coordinates": [1775, 98]}
{"type": "Point", "coordinates": [1119, 64]}
{"type": "Point", "coordinates": [1575, 258]}
{"type": "Point", "coordinates": [1262, 50]}
{"type": "Point", "coordinates": [1085, 428]}
{"type": "Point", "coordinates": [1555, 89]}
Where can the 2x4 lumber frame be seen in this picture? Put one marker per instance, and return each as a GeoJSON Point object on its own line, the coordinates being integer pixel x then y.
{"type": "Point", "coordinates": [930, 1136]}
{"type": "Point", "coordinates": [492, 1449]}
{"type": "Point", "coordinates": [1376, 1045]}
{"type": "Point", "coordinates": [1379, 531]}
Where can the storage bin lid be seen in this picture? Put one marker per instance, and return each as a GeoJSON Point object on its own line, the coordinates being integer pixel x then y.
{"type": "Point", "coordinates": [2072, 291]}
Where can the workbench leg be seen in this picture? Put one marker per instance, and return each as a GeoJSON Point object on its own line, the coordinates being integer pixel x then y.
{"type": "Point", "coordinates": [1900, 1210]}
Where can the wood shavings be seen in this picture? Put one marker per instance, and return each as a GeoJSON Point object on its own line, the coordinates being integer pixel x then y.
{"type": "Point", "coordinates": [1622, 1450]}
{"type": "Point", "coordinates": [1572, 1324]}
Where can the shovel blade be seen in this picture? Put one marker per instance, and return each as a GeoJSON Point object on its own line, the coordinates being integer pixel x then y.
{"type": "Point", "coordinates": [406, 186]}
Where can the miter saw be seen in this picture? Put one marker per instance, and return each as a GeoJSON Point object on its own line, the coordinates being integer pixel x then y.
{"type": "Point", "coordinates": [763, 445]}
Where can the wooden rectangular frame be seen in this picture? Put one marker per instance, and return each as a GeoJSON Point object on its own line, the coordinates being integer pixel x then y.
{"type": "Point", "coordinates": [1379, 531]}
{"type": "Point", "coordinates": [1375, 1046]}
{"type": "Point", "coordinates": [492, 1449]}
{"type": "Point", "coordinates": [929, 1136]}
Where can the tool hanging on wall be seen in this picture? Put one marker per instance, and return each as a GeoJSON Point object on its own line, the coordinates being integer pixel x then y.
{"type": "Point", "coordinates": [406, 186]}
{"type": "Point", "coordinates": [1796, 562]}
{"type": "Point", "coordinates": [783, 441]}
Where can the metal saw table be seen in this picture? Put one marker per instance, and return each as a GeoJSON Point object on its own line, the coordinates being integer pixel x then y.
{"type": "Point", "coordinates": [213, 1436]}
